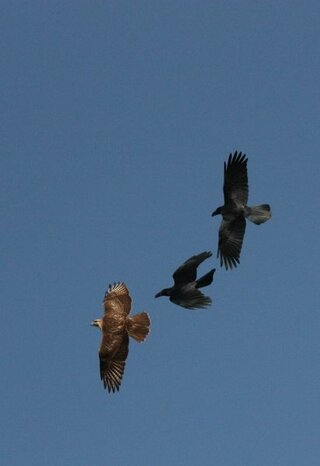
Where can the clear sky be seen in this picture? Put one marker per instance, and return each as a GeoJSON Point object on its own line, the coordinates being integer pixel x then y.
{"type": "Point", "coordinates": [116, 119]}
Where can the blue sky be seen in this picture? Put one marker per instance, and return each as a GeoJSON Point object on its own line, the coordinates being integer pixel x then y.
{"type": "Point", "coordinates": [116, 120]}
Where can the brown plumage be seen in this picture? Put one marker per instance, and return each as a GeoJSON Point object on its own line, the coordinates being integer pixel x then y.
{"type": "Point", "coordinates": [116, 327]}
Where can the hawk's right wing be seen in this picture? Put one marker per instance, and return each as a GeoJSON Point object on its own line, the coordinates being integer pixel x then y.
{"type": "Point", "coordinates": [117, 298]}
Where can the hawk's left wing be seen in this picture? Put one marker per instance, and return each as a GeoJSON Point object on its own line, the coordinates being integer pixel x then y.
{"type": "Point", "coordinates": [112, 363]}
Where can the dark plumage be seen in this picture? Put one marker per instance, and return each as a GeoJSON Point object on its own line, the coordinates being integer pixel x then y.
{"type": "Point", "coordinates": [235, 210]}
{"type": "Point", "coordinates": [116, 327]}
{"type": "Point", "coordinates": [185, 291]}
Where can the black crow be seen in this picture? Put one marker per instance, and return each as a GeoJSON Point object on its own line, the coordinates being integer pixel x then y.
{"type": "Point", "coordinates": [235, 210]}
{"type": "Point", "coordinates": [185, 290]}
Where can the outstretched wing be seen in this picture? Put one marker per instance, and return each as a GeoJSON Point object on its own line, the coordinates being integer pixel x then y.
{"type": "Point", "coordinates": [117, 298]}
{"type": "Point", "coordinates": [187, 272]}
{"type": "Point", "coordinates": [113, 352]}
{"type": "Point", "coordinates": [231, 235]}
{"type": "Point", "coordinates": [192, 299]}
{"type": "Point", "coordinates": [235, 187]}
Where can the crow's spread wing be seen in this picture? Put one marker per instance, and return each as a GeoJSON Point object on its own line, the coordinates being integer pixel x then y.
{"type": "Point", "coordinates": [187, 272]}
{"type": "Point", "coordinates": [192, 299]}
{"type": "Point", "coordinates": [231, 235]}
{"type": "Point", "coordinates": [235, 187]}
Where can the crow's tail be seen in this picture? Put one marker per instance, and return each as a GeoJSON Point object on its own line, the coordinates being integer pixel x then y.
{"type": "Point", "coordinates": [259, 213]}
{"type": "Point", "coordinates": [205, 280]}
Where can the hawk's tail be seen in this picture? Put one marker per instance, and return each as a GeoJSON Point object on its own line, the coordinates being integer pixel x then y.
{"type": "Point", "coordinates": [138, 326]}
{"type": "Point", "coordinates": [259, 213]}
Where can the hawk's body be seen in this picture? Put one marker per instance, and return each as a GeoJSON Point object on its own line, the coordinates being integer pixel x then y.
{"type": "Point", "coordinates": [116, 327]}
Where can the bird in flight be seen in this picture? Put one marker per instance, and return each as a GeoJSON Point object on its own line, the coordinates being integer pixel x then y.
{"type": "Point", "coordinates": [235, 210]}
{"type": "Point", "coordinates": [116, 326]}
{"type": "Point", "coordinates": [185, 291]}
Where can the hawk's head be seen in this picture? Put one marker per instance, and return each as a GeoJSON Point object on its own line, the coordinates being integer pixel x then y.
{"type": "Point", "coordinates": [97, 323]}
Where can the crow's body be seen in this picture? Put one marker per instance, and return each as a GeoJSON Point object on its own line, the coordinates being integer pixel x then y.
{"type": "Point", "coordinates": [185, 291]}
{"type": "Point", "coordinates": [235, 210]}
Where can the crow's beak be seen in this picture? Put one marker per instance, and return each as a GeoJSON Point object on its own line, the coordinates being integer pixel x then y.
{"type": "Point", "coordinates": [158, 295]}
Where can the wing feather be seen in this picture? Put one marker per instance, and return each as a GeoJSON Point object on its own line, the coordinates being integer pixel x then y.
{"type": "Point", "coordinates": [187, 272]}
{"type": "Point", "coordinates": [117, 298]}
{"type": "Point", "coordinates": [231, 235]}
{"type": "Point", "coordinates": [112, 363]}
{"type": "Point", "coordinates": [192, 299]}
{"type": "Point", "coordinates": [235, 185]}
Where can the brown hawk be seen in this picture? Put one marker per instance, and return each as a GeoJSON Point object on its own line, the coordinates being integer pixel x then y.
{"type": "Point", "coordinates": [116, 327]}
